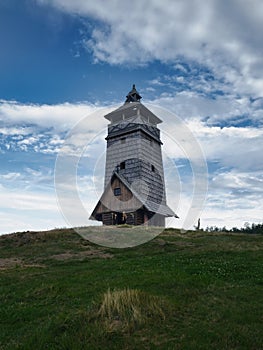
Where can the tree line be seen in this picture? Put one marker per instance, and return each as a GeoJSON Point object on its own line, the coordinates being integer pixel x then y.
{"type": "Point", "coordinates": [248, 228]}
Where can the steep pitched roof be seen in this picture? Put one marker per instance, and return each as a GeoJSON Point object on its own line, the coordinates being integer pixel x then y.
{"type": "Point", "coordinates": [158, 208]}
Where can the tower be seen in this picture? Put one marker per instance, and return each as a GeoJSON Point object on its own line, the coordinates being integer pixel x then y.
{"type": "Point", "coordinates": [134, 187]}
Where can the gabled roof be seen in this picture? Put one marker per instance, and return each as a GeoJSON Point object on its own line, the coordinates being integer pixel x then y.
{"type": "Point", "coordinates": [158, 208]}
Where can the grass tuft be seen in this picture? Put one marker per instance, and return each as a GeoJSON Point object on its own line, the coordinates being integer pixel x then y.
{"type": "Point", "coordinates": [127, 308]}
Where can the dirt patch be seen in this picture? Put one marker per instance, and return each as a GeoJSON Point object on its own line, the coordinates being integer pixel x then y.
{"type": "Point", "coordinates": [161, 242]}
{"type": "Point", "coordinates": [182, 243]}
{"type": "Point", "coordinates": [9, 263]}
{"type": "Point", "coordinates": [92, 253]}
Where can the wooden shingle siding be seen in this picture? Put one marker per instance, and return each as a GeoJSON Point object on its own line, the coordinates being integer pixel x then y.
{"type": "Point", "coordinates": [134, 187]}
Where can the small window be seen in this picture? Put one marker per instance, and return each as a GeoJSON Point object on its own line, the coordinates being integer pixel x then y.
{"type": "Point", "coordinates": [123, 139]}
{"type": "Point", "coordinates": [153, 168]}
{"type": "Point", "coordinates": [122, 165]}
{"type": "Point", "coordinates": [117, 191]}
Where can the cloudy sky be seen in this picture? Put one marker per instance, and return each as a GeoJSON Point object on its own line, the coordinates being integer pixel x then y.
{"type": "Point", "coordinates": [66, 63]}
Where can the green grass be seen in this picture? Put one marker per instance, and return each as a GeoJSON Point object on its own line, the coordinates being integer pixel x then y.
{"type": "Point", "coordinates": [206, 288]}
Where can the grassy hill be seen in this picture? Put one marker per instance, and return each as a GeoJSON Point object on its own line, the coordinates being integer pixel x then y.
{"type": "Point", "coordinates": [195, 290]}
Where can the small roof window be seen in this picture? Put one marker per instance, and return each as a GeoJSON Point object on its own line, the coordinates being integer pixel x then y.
{"type": "Point", "coordinates": [117, 191]}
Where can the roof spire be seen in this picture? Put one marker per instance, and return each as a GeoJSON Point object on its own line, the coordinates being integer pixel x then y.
{"type": "Point", "coordinates": [133, 95]}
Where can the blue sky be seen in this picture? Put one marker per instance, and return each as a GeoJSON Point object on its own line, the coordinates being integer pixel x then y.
{"type": "Point", "coordinates": [65, 60]}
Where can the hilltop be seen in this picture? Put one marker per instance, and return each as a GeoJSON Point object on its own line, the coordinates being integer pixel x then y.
{"type": "Point", "coordinates": [193, 290]}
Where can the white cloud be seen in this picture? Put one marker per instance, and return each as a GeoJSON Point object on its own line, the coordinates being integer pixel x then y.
{"type": "Point", "coordinates": [43, 128]}
{"type": "Point", "coordinates": [19, 220]}
{"type": "Point", "coordinates": [240, 148]}
{"type": "Point", "coordinates": [21, 131]}
{"type": "Point", "coordinates": [226, 36]}
{"type": "Point", "coordinates": [249, 184]}
{"type": "Point", "coordinates": [233, 147]}
{"type": "Point", "coordinates": [60, 117]}
{"type": "Point", "coordinates": [234, 198]}
{"type": "Point", "coordinates": [28, 141]}
{"type": "Point", "coordinates": [26, 200]}
{"type": "Point", "coordinates": [10, 176]}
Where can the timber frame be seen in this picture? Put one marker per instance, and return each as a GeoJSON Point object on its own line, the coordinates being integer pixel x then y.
{"type": "Point", "coordinates": [134, 186]}
{"type": "Point", "coordinates": [127, 207]}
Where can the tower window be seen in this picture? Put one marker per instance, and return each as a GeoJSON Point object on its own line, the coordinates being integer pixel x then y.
{"type": "Point", "coordinates": [117, 191]}
{"type": "Point", "coordinates": [153, 168]}
{"type": "Point", "coordinates": [122, 165]}
{"type": "Point", "coordinates": [123, 139]}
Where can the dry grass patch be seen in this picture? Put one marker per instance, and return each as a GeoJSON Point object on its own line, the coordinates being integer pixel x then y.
{"type": "Point", "coordinates": [127, 308]}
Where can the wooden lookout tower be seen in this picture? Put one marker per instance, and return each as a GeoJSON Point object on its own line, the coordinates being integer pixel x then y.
{"type": "Point", "coordinates": [134, 188]}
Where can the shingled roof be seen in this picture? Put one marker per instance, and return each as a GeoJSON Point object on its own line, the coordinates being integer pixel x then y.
{"type": "Point", "coordinates": [159, 208]}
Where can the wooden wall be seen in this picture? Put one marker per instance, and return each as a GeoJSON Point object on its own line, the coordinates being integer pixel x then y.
{"type": "Point", "coordinates": [140, 217]}
{"type": "Point", "coordinates": [124, 202]}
